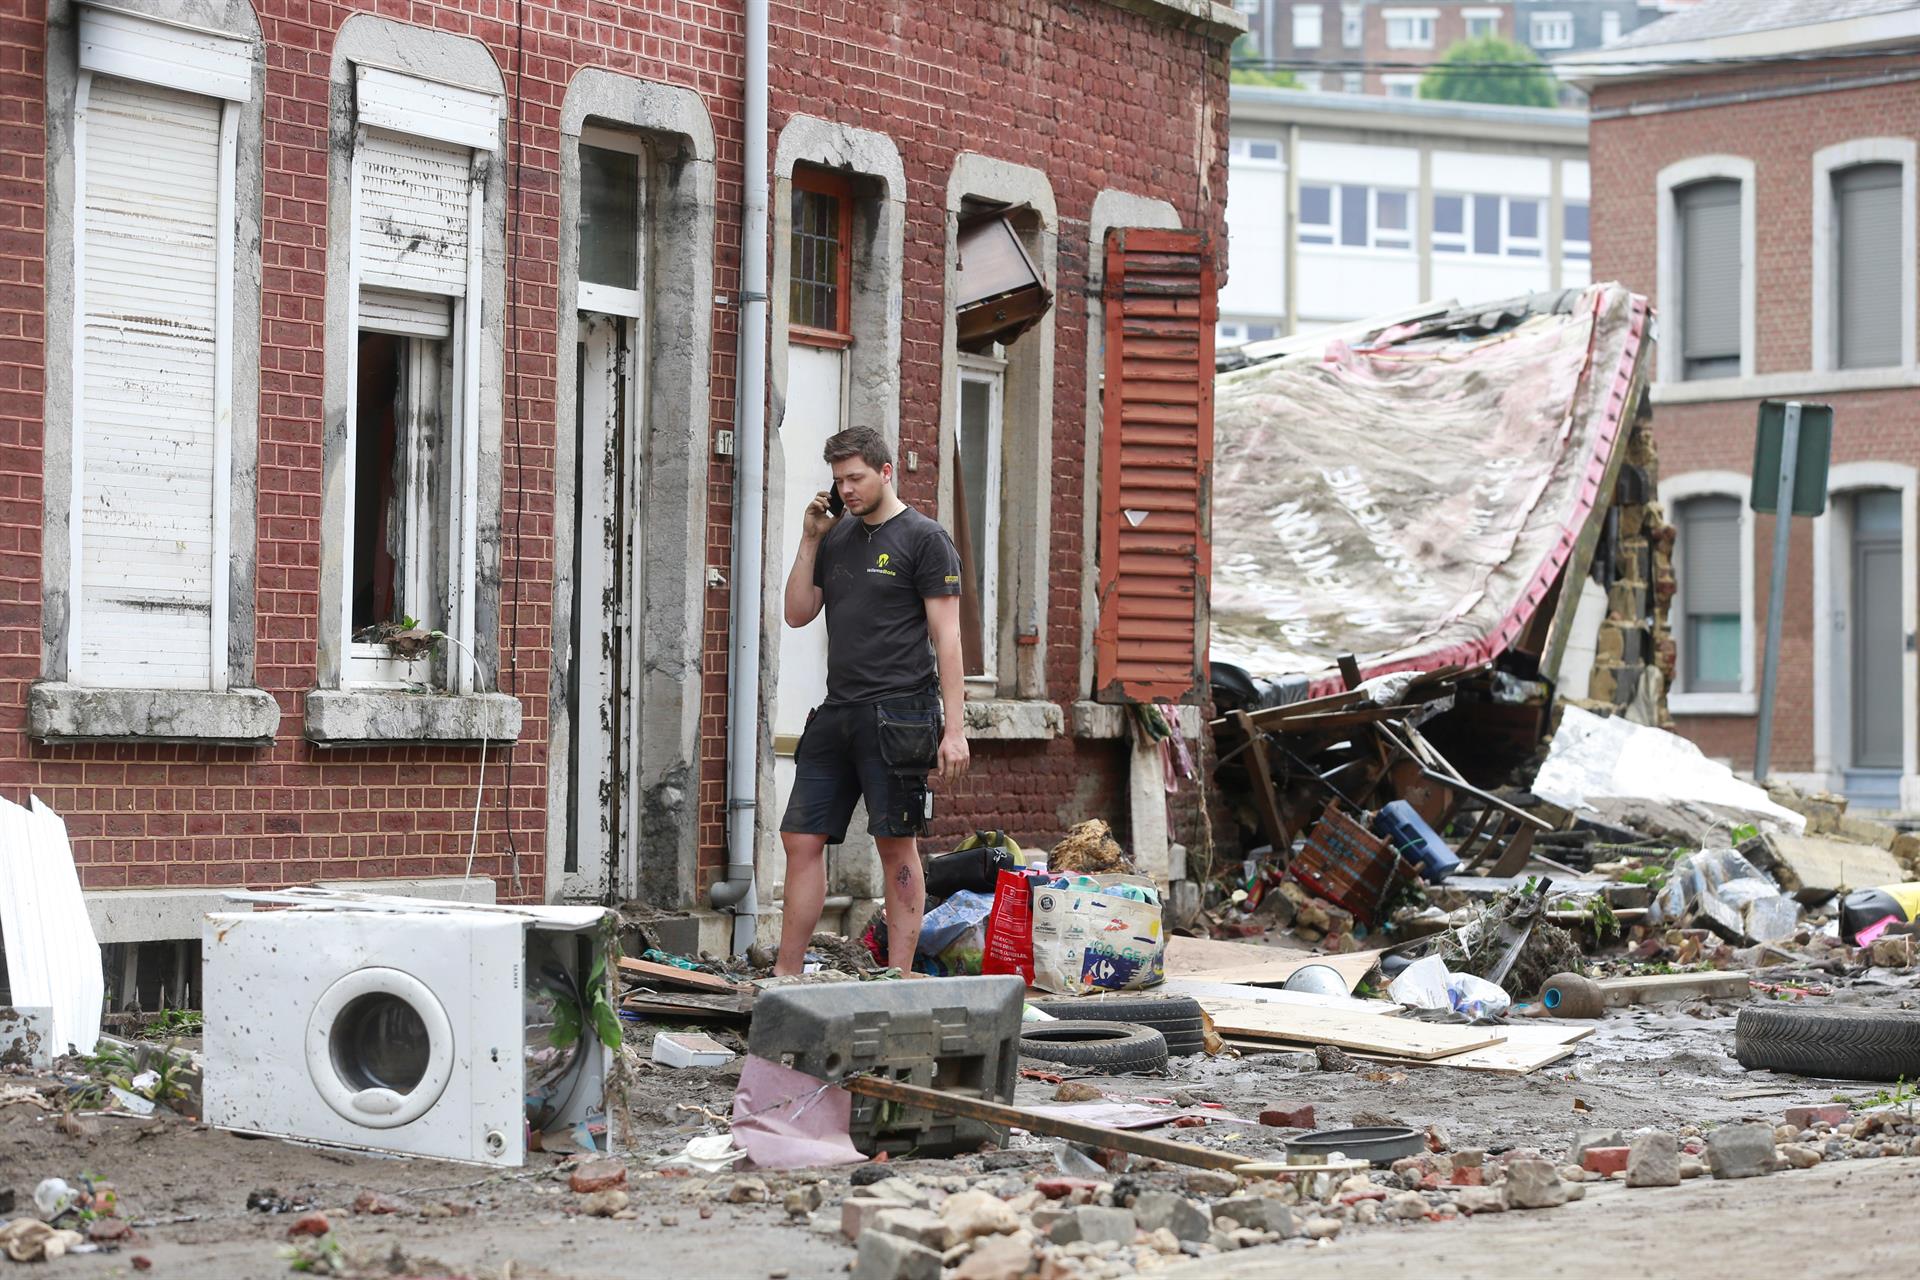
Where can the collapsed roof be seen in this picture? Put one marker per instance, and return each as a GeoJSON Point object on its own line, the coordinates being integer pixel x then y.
{"type": "Point", "coordinates": [1415, 498]}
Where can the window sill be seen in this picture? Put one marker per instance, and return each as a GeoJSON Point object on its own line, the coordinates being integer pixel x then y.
{"type": "Point", "coordinates": [60, 712]}
{"type": "Point", "coordinates": [1223, 19]}
{"type": "Point", "coordinates": [1009, 719]}
{"type": "Point", "coordinates": [1775, 385]}
{"type": "Point", "coordinates": [1108, 720]}
{"type": "Point", "coordinates": [339, 717]}
{"type": "Point", "coordinates": [1713, 704]}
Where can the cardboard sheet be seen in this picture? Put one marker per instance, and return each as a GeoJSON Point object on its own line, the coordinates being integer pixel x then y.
{"type": "Point", "coordinates": [1213, 961]}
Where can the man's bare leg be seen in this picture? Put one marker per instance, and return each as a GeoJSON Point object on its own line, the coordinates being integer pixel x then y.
{"type": "Point", "coordinates": [806, 892]}
{"type": "Point", "coordinates": [906, 897]}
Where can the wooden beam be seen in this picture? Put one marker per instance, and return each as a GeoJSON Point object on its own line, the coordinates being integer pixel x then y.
{"type": "Point", "coordinates": [1265, 798]}
{"type": "Point", "coordinates": [693, 979]}
{"type": "Point", "coordinates": [1005, 1117]}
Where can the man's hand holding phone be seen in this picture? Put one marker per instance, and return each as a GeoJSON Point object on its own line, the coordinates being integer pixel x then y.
{"type": "Point", "coordinates": [823, 511]}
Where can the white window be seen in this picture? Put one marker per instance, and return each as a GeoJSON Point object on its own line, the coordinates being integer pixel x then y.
{"type": "Point", "coordinates": [1355, 216]}
{"type": "Point", "coordinates": [1481, 22]}
{"type": "Point", "coordinates": [1711, 657]}
{"type": "Point", "coordinates": [1576, 238]}
{"type": "Point", "coordinates": [1350, 25]}
{"type": "Point", "coordinates": [1306, 26]}
{"type": "Point", "coordinates": [412, 457]}
{"type": "Point", "coordinates": [1710, 268]}
{"type": "Point", "coordinates": [1525, 234]}
{"type": "Point", "coordinates": [1489, 226]}
{"type": "Point", "coordinates": [1258, 151]}
{"type": "Point", "coordinates": [1401, 86]}
{"type": "Point", "coordinates": [1309, 80]}
{"type": "Point", "coordinates": [1864, 286]}
{"type": "Point", "coordinates": [1352, 82]}
{"type": "Point", "coordinates": [977, 501]}
{"type": "Point", "coordinates": [1609, 26]}
{"type": "Point", "coordinates": [1234, 333]}
{"type": "Point", "coordinates": [1551, 31]}
{"type": "Point", "coordinates": [154, 154]}
{"type": "Point", "coordinates": [1410, 28]}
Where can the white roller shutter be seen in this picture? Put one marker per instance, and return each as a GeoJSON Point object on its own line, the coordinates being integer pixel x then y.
{"type": "Point", "coordinates": [148, 329]}
{"type": "Point", "coordinates": [1710, 270]}
{"type": "Point", "coordinates": [412, 220]}
{"type": "Point", "coordinates": [1710, 555]}
{"type": "Point", "coordinates": [1867, 210]}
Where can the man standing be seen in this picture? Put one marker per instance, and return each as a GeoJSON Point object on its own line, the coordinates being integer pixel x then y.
{"type": "Point", "coordinates": [889, 579]}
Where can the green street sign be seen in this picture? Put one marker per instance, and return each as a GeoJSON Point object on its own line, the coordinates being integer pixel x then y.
{"type": "Point", "coordinates": [1810, 459]}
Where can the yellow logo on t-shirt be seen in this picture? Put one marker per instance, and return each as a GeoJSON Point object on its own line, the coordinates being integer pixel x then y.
{"type": "Point", "coordinates": [880, 563]}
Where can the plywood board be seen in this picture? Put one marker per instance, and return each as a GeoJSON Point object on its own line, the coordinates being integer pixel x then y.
{"type": "Point", "coordinates": [1357, 1032]}
{"type": "Point", "coordinates": [691, 979]}
{"type": "Point", "coordinates": [1527, 1047]}
{"type": "Point", "coordinates": [1659, 988]}
{"type": "Point", "coordinates": [1203, 989]}
{"type": "Point", "coordinates": [1254, 965]}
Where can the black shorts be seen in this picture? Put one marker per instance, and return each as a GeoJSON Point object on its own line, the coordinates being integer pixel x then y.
{"type": "Point", "coordinates": [880, 750]}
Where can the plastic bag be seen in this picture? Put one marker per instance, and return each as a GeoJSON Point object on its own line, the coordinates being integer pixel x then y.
{"type": "Point", "coordinates": [1009, 945]}
{"type": "Point", "coordinates": [1098, 933]}
{"type": "Point", "coordinates": [948, 921]}
{"type": "Point", "coordinates": [1422, 985]}
{"type": "Point", "coordinates": [1476, 997]}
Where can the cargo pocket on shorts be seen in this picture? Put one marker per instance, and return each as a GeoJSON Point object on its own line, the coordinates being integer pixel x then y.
{"type": "Point", "coordinates": [909, 748]}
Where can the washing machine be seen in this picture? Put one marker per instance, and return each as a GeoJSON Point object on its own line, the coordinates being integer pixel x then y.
{"type": "Point", "coordinates": [408, 1025]}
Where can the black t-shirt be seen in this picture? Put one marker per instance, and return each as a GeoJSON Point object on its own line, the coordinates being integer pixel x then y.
{"type": "Point", "coordinates": [875, 580]}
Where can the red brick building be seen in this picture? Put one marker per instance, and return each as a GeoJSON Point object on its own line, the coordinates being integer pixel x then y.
{"type": "Point", "coordinates": [1769, 210]}
{"type": "Point", "coordinates": [320, 320]}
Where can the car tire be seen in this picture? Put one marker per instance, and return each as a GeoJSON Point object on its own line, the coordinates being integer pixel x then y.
{"type": "Point", "coordinates": [1177, 1018]}
{"type": "Point", "coordinates": [1106, 1048]}
{"type": "Point", "coordinates": [1839, 1044]}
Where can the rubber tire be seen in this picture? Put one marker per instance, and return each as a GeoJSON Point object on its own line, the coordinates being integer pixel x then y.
{"type": "Point", "coordinates": [1175, 1017]}
{"type": "Point", "coordinates": [1108, 1048]}
{"type": "Point", "coordinates": [1839, 1044]}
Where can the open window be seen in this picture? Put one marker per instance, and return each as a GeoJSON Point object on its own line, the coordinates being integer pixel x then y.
{"type": "Point", "coordinates": [999, 291]}
{"type": "Point", "coordinates": [820, 292]}
{"type": "Point", "coordinates": [977, 500]}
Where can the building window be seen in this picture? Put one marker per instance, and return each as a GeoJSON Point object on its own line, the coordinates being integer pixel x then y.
{"type": "Point", "coordinates": [1575, 238]}
{"type": "Point", "coordinates": [157, 112]}
{"type": "Point", "coordinates": [1868, 280]}
{"type": "Point", "coordinates": [976, 503]}
{"type": "Point", "coordinates": [1256, 150]}
{"type": "Point", "coordinates": [1489, 226]}
{"type": "Point", "coordinates": [612, 170]}
{"type": "Point", "coordinates": [1551, 31]}
{"type": "Point", "coordinates": [1233, 333]}
{"type": "Point", "coordinates": [1350, 25]}
{"type": "Point", "coordinates": [821, 294]}
{"type": "Point", "coordinates": [1352, 82]}
{"type": "Point", "coordinates": [1709, 581]}
{"type": "Point", "coordinates": [1401, 86]}
{"type": "Point", "coordinates": [1309, 80]}
{"type": "Point", "coordinates": [410, 541]}
{"type": "Point", "coordinates": [1523, 229]}
{"type": "Point", "coordinates": [1410, 28]}
{"type": "Point", "coordinates": [1709, 278]}
{"type": "Point", "coordinates": [1481, 22]}
{"type": "Point", "coordinates": [1251, 8]}
{"type": "Point", "coordinates": [1609, 26]}
{"type": "Point", "coordinates": [1356, 217]}
{"type": "Point", "coordinates": [1306, 26]}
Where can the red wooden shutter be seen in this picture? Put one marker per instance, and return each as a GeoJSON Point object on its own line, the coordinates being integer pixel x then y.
{"type": "Point", "coordinates": [1156, 460]}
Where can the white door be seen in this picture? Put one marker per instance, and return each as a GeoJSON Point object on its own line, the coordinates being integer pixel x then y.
{"type": "Point", "coordinates": [601, 852]}
{"type": "Point", "coordinates": [815, 400]}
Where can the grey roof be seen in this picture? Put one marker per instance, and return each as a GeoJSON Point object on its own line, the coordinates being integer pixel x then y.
{"type": "Point", "coordinates": [1718, 18]}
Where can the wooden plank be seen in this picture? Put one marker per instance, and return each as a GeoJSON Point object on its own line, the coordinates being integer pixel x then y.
{"type": "Point", "coordinates": [1002, 1116]}
{"type": "Point", "coordinates": [689, 1005]}
{"type": "Point", "coordinates": [1356, 1032]}
{"type": "Point", "coordinates": [1257, 966]}
{"type": "Point", "coordinates": [692, 979]}
{"type": "Point", "coordinates": [1527, 1048]}
{"type": "Point", "coordinates": [1203, 989]}
{"type": "Point", "coordinates": [1266, 801]}
{"type": "Point", "coordinates": [1660, 988]}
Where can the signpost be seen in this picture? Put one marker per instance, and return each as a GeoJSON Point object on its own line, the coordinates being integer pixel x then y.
{"type": "Point", "coordinates": [1791, 449]}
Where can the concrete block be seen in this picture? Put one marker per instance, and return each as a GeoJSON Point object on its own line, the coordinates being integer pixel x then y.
{"type": "Point", "coordinates": [885, 1257]}
{"type": "Point", "coordinates": [1093, 1225]}
{"type": "Point", "coordinates": [337, 717]}
{"type": "Point", "coordinates": [1741, 1150]}
{"type": "Point", "coordinates": [1262, 1213]}
{"type": "Point", "coordinates": [1153, 1210]}
{"type": "Point", "coordinates": [59, 712]}
{"type": "Point", "coordinates": [1534, 1184]}
{"type": "Point", "coordinates": [1653, 1161]}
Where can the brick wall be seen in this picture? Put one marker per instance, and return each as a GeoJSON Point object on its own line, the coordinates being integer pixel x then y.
{"type": "Point", "coordinates": [1780, 136]}
{"type": "Point", "coordinates": [1094, 95]}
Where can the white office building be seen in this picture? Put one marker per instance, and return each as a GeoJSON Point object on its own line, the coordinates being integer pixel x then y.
{"type": "Point", "coordinates": [1342, 207]}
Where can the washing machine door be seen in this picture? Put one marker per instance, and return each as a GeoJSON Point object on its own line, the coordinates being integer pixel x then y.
{"type": "Point", "coordinates": [380, 1048]}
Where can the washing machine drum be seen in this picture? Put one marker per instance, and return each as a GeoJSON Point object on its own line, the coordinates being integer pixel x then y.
{"type": "Point", "coordinates": [380, 1048]}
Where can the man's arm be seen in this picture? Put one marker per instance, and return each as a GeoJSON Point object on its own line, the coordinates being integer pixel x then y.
{"type": "Point", "coordinates": [943, 622]}
{"type": "Point", "coordinates": [803, 599]}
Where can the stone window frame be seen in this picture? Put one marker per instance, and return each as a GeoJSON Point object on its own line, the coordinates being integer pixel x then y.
{"type": "Point", "coordinates": [1668, 184]}
{"type": "Point", "coordinates": [335, 712]}
{"type": "Point", "coordinates": [670, 620]}
{"type": "Point", "coordinates": [57, 709]}
{"type": "Point", "coordinates": [1827, 163]}
{"type": "Point", "coordinates": [1016, 710]}
{"type": "Point", "coordinates": [1675, 492]}
{"type": "Point", "coordinates": [1112, 210]}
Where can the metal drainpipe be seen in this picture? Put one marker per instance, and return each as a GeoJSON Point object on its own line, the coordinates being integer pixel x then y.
{"type": "Point", "coordinates": [736, 892]}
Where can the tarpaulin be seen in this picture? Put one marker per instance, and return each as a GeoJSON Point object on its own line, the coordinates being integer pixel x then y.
{"type": "Point", "coordinates": [1413, 502]}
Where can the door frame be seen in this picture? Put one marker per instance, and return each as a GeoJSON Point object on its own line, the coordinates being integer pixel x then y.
{"type": "Point", "coordinates": [1832, 650]}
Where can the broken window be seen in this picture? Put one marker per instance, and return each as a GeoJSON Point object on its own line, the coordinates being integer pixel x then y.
{"type": "Point", "coordinates": [820, 298]}
{"type": "Point", "coordinates": [1709, 581]}
{"type": "Point", "coordinates": [977, 499]}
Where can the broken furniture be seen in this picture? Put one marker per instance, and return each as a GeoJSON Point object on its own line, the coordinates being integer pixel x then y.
{"type": "Point", "coordinates": [409, 1025]}
{"type": "Point", "coordinates": [960, 1036]}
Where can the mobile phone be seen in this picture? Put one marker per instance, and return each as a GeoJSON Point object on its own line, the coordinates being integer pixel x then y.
{"type": "Point", "coordinates": [835, 505]}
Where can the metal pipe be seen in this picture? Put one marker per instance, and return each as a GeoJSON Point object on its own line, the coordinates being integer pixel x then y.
{"type": "Point", "coordinates": [736, 892]}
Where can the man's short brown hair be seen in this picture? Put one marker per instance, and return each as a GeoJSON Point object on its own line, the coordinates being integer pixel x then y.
{"type": "Point", "coordinates": [859, 442]}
